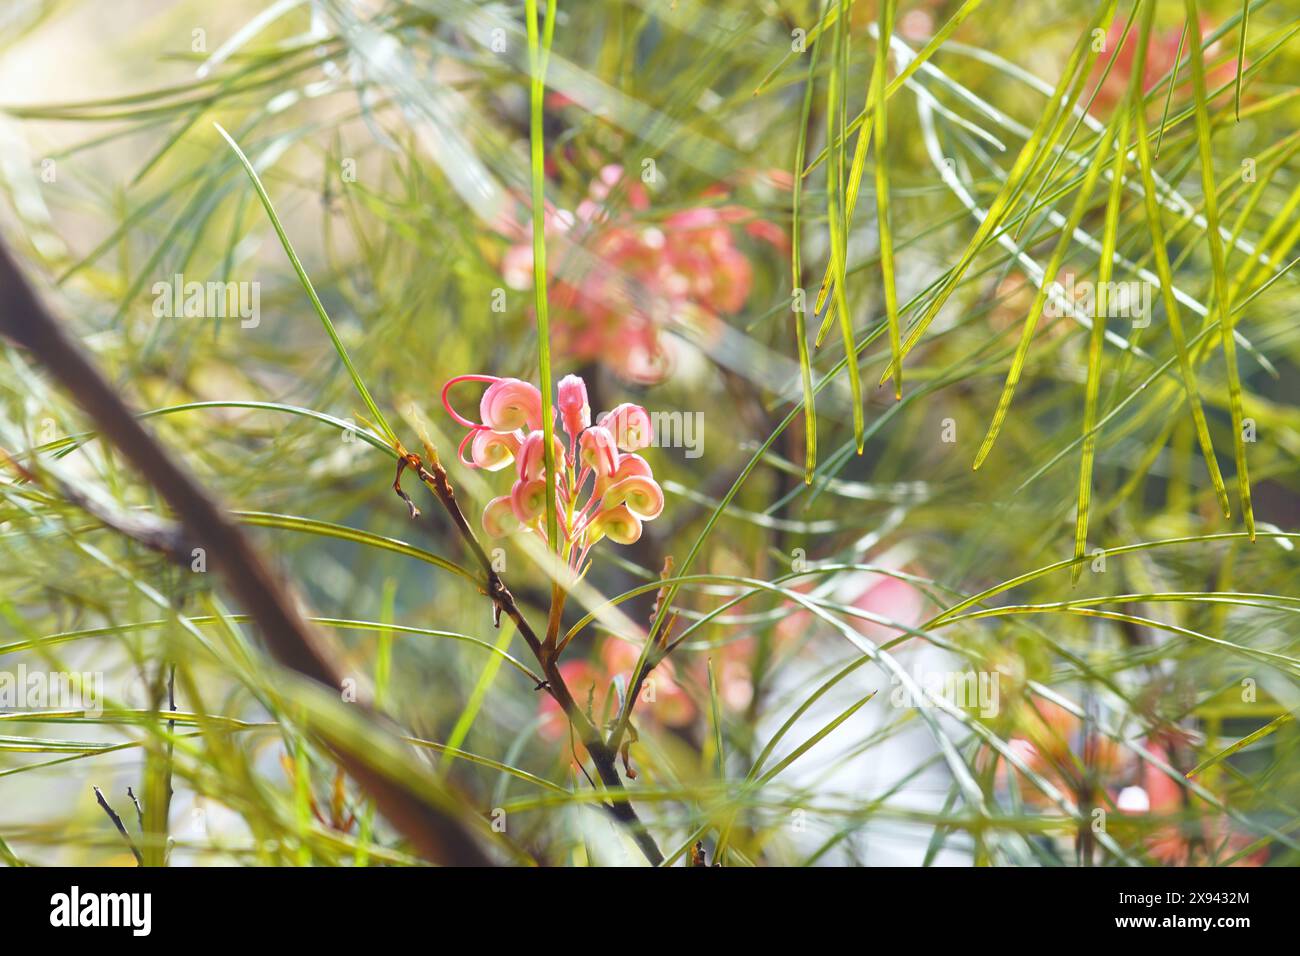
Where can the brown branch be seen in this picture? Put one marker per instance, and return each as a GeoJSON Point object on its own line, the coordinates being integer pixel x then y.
{"type": "Point", "coordinates": [424, 817]}
{"type": "Point", "coordinates": [435, 477]}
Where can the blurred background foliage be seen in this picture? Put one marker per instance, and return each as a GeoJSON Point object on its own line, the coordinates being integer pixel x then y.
{"type": "Point", "coordinates": [393, 139]}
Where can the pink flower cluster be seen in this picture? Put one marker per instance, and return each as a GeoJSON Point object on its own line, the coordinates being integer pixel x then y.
{"type": "Point", "coordinates": [624, 280]}
{"type": "Point", "coordinates": [623, 492]}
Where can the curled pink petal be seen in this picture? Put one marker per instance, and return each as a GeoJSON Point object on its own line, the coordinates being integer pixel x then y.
{"type": "Point", "coordinates": [460, 449]}
{"type": "Point", "coordinates": [630, 425]}
{"type": "Point", "coordinates": [493, 451]}
{"type": "Point", "coordinates": [528, 500]}
{"type": "Point", "coordinates": [510, 404]}
{"type": "Point", "coordinates": [446, 403]}
{"type": "Point", "coordinates": [575, 412]}
{"type": "Point", "coordinates": [641, 496]}
{"type": "Point", "coordinates": [617, 524]}
{"type": "Point", "coordinates": [599, 450]}
{"type": "Point", "coordinates": [499, 517]}
{"type": "Point", "coordinates": [630, 465]}
{"type": "Point", "coordinates": [532, 458]}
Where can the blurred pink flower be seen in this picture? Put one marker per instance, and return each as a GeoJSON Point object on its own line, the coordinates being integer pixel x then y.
{"type": "Point", "coordinates": [881, 595]}
{"type": "Point", "coordinates": [622, 281]}
{"type": "Point", "coordinates": [892, 599]}
{"type": "Point", "coordinates": [670, 705]}
{"type": "Point", "coordinates": [662, 702]}
{"type": "Point", "coordinates": [1051, 743]}
{"type": "Point", "coordinates": [1187, 843]}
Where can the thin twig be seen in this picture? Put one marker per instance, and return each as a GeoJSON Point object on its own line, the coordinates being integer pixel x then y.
{"type": "Point", "coordinates": [139, 810]}
{"type": "Point", "coordinates": [121, 827]}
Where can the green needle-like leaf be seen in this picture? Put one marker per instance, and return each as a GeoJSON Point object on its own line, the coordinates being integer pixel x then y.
{"type": "Point", "coordinates": [1039, 145]}
{"type": "Point", "coordinates": [1222, 294]}
{"type": "Point", "coordinates": [1273, 725]}
{"type": "Point", "coordinates": [796, 268]}
{"type": "Point", "coordinates": [1241, 58]}
{"type": "Point", "coordinates": [1105, 270]}
{"type": "Point", "coordinates": [1156, 228]}
{"type": "Point", "coordinates": [1081, 204]}
{"type": "Point", "coordinates": [539, 51]}
{"type": "Point", "coordinates": [882, 197]}
{"type": "Point", "coordinates": [375, 414]}
{"type": "Point", "coordinates": [838, 220]}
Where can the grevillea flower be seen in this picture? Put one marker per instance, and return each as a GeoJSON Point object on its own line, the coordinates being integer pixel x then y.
{"type": "Point", "coordinates": [528, 499]}
{"type": "Point", "coordinates": [616, 523]}
{"type": "Point", "coordinates": [532, 455]}
{"type": "Point", "coordinates": [603, 489]}
{"type": "Point", "coordinates": [629, 465]}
